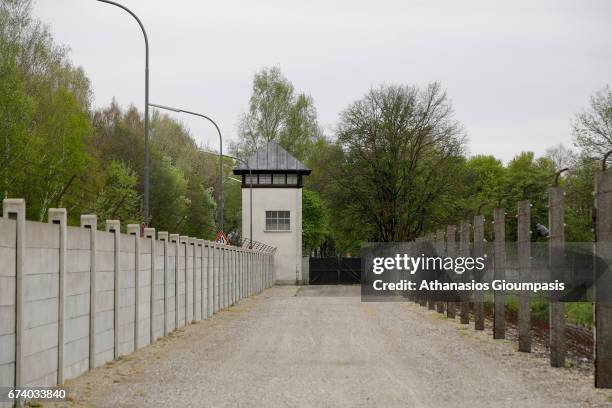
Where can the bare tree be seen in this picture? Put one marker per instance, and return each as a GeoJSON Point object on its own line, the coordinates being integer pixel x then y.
{"type": "Point", "coordinates": [592, 128]}
{"type": "Point", "coordinates": [561, 156]}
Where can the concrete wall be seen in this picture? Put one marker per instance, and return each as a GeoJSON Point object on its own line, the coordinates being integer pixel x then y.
{"type": "Point", "coordinates": [288, 244]}
{"type": "Point", "coordinates": [52, 274]}
{"type": "Point", "coordinates": [8, 234]}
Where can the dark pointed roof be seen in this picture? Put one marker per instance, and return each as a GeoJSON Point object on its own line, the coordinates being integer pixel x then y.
{"type": "Point", "coordinates": [274, 159]}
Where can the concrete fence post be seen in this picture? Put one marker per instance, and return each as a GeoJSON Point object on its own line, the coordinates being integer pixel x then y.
{"type": "Point", "coordinates": [556, 309]}
{"type": "Point", "coordinates": [228, 271]}
{"type": "Point", "coordinates": [221, 277]}
{"type": "Point", "coordinates": [431, 301]}
{"type": "Point", "coordinates": [464, 250]}
{"type": "Point", "coordinates": [229, 275]}
{"type": "Point", "coordinates": [250, 272]}
{"type": "Point", "coordinates": [192, 244]}
{"type": "Point", "coordinates": [134, 230]}
{"type": "Point", "coordinates": [603, 305]}
{"type": "Point", "coordinates": [267, 269]}
{"type": "Point", "coordinates": [215, 277]}
{"type": "Point", "coordinates": [499, 297]}
{"type": "Point", "coordinates": [267, 266]}
{"type": "Point", "coordinates": [239, 273]}
{"type": "Point", "coordinates": [174, 238]}
{"type": "Point", "coordinates": [184, 240]}
{"type": "Point", "coordinates": [90, 222]}
{"type": "Point", "coordinates": [232, 254]}
{"type": "Point", "coordinates": [163, 236]}
{"type": "Point", "coordinates": [200, 243]}
{"type": "Point", "coordinates": [228, 259]}
{"type": "Point", "coordinates": [479, 252]}
{"type": "Point", "coordinates": [524, 255]}
{"type": "Point", "coordinates": [238, 283]}
{"type": "Point", "coordinates": [247, 271]}
{"type": "Point", "coordinates": [253, 273]}
{"type": "Point", "coordinates": [218, 277]}
{"type": "Point", "coordinates": [243, 273]}
{"type": "Point", "coordinates": [114, 226]}
{"type": "Point", "coordinates": [236, 274]}
{"type": "Point", "coordinates": [210, 278]}
{"type": "Point", "coordinates": [440, 250]}
{"type": "Point", "coordinates": [450, 252]}
{"type": "Point", "coordinates": [15, 209]}
{"type": "Point", "coordinates": [211, 275]}
{"type": "Point", "coordinates": [59, 216]}
{"type": "Point", "coordinates": [150, 233]}
{"type": "Point", "coordinates": [227, 262]}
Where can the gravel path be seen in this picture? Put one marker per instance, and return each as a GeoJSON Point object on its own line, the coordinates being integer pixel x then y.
{"type": "Point", "coordinates": [322, 347]}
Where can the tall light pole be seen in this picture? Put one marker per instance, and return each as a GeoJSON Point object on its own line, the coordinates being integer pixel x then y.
{"type": "Point", "coordinates": [146, 119]}
{"type": "Point", "coordinates": [221, 202]}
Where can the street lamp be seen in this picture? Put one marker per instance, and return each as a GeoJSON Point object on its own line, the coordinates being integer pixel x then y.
{"type": "Point", "coordinates": [146, 119]}
{"type": "Point", "coordinates": [221, 202]}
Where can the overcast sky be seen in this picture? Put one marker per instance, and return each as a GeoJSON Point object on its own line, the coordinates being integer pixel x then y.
{"type": "Point", "coordinates": [516, 71]}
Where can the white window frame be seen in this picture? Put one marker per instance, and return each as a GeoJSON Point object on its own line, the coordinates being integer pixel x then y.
{"type": "Point", "coordinates": [276, 216]}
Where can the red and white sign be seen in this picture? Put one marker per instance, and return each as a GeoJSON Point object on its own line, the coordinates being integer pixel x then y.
{"type": "Point", "coordinates": [222, 238]}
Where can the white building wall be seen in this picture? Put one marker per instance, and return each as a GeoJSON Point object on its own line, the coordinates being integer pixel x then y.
{"type": "Point", "coordinates": [288, 244]}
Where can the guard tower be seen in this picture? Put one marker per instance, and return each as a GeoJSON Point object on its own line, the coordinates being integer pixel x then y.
{"type": "Point", "coordinates": [276, 178]}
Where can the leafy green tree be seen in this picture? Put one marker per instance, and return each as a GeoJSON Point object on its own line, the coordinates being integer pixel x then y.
{"type": "Point", "coordinates": [526, 178]}
{"type": "Point", "coordinates": [277, 113]}
{"type": "Point", "coordinates": [301, 131]}
{"type": "Point", "coordinates": [45, 101]}
{"type": "Point", "coordinates": [314, 221]}
{"type": "Point", "coordinates": [118, 198]}
{"type": "Point", "coordinates": [579, 186]}
{"type": "Point", "coordinates": [483, 177]}
{"type": "Point", "coordinates": [401, 150]}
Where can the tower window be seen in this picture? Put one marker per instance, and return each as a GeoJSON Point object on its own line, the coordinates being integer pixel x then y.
{"type": "Point", "coordinates": [278, 179]}
{"type": "Point", "coordinates": [278, 221]}
{"type": "Point", "coordinates": [265, 179]}
{"type": "Point", "coordinates": [250, 178]}
{"type": "Point", "coordinates": [292, 179]}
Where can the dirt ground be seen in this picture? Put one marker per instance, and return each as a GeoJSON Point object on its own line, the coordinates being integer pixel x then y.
{"type": "Point", "coordinates": [320, 346]}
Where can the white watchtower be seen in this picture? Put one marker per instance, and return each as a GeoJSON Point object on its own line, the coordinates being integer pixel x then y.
{"type": "Point", "coordinates": [277, 207]}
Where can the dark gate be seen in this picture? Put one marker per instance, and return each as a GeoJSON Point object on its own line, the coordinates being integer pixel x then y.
{"type": "Point", "coordinates": [334, 271]}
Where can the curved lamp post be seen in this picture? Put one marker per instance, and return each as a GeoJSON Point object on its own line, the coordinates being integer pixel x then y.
{"type": "Point", "coordinates": [221, 202]}
{"type": "Point", "coordinates": [146, 120]}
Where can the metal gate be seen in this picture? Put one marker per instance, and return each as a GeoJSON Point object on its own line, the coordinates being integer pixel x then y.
{"type": "Point", "coordinates": [334, 271]}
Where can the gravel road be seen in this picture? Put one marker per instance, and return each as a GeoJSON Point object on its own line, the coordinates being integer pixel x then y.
{"type": "Point", "coordinates": [322, 347]}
